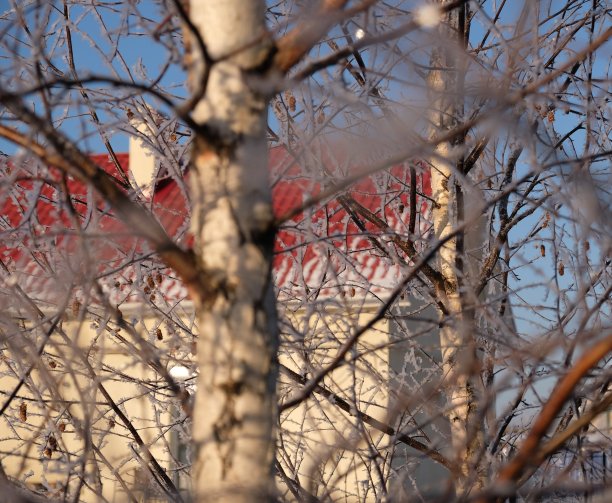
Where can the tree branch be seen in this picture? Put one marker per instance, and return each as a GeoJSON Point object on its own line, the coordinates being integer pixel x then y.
{"type": "Point", "coordinates": [292, 47]}
{"type": "Point", "coordinates": [563, 391]}
{"type": "Point", "coordinates": [337, 360]}
{"type": "Point", "coordinates": [351, 410]}
{"type": "Point", "coordinates": [72, 161]}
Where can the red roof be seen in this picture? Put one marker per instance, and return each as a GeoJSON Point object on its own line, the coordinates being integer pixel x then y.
{"type": "Point", "coordinates": [45, 216]}
{"type": "Point", "coordinates": [323, 249]}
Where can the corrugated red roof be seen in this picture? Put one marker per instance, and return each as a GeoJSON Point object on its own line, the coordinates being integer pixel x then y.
{"type": "Point", "coordinates": [45, 216]}
{"type": "Point", "coordinates": [323, 249]}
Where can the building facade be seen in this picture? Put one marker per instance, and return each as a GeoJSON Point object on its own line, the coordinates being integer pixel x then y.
{"type": "Point", "coordinates": [93, 322]}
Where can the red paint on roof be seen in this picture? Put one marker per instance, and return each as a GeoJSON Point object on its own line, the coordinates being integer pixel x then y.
{"type": "Point", "coordinates": [44, 215]}
{"type": "Point", "coordinates": [323, 248]}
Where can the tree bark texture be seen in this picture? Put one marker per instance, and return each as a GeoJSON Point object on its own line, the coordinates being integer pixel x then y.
{"type": "Point", "coordinates": [233, 424]}
{"type": "Point", "coordinates": [457, 332]}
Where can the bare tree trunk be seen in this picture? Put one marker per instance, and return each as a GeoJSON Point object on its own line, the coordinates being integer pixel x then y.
{"type": "Point", "coordinates": [457, 333]}
{"type": "Point", "coordinates": [235, 404]}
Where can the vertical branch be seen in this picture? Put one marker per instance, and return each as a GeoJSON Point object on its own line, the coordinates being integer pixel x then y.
{"type": "Point", "coordinates": [457, 342]}
{"type": "Point", "coordinates": [92, 111]}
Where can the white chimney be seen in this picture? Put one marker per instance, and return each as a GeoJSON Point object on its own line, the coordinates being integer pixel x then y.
{"type": "Point", "coordinates": [142, 158]}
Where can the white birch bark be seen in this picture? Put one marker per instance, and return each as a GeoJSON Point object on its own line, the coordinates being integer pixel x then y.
{"type": "Point", "coordinates": [455, 358]}
{"type": "Point", "coordinates": [456, 335]}
{"type": "Point", "coordinates": [235, 403]}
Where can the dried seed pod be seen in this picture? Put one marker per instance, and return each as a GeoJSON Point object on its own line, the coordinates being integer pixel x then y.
{"type": "Point", "coordinates": [551, 116]}
{"type": "Point", "coordinates": [352, 291]}
{"type": "Point", "coordinates": [52, 364]}
{"type": "Point", "coordinates": [52, 443]}
{"type": "Point", "coordinates": [111, 424]}
{"type": "Point", "coordinates": [48, 452]}
{"type": "Point", "coordinates": [152, 297]}
{"type": "Point", "coordinates": [587, 246]}
{"type": "Point", "coordinates": [160, 335]}
{"type": "Point", "coordinates": [561, 268]}
{"type": "Point", "coordinates": [23, 412]}
{"type": "Point", "coordinates": [150, 282]}
{"type": "Point", "coordinates": [321, 117]}
{"type": "Point", "coordinates": [147, 290]}
{"type": "Point", "coordinates": [290, 100]}
{"type": "Point", "coordinates": [543, 250]}
{"type": "Point", "coordinates": [61, 427]}
{"type": "Point", "coordinates": [158, 278]}
{"type": "Point", "coordinates": [76, 307]}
